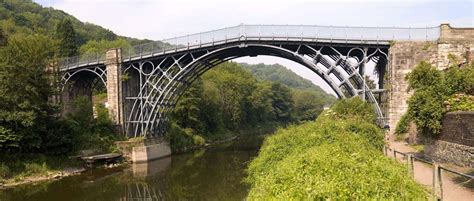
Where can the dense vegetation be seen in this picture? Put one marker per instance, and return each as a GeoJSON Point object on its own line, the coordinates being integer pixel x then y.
{"type": "Point", "coordinates": [229, 99]}
{"type": "Point", "coordinates": [27, 17]}
{"type": "Point", "coordinates": [337, 157]}
{"type": "Point", "coordinates": [33, 138]}
{"type": "Point", "coordinates": [435, 93]}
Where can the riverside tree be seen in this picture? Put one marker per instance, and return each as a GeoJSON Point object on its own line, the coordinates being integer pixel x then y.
{"type": "Point", "coordinates": [24, 91]}
{"type": "Point", "coordinates": [66, 35]}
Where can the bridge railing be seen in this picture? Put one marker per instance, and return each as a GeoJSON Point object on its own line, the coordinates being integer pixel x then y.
{"type": "Point", "coordinates": [265, 32]}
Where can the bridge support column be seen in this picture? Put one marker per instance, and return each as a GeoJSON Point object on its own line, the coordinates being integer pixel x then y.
{"type": "Point", "coordinates": [114, 87]}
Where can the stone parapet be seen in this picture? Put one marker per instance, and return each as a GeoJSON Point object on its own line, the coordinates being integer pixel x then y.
{"type": "Point", "coordinates": [450, 34]}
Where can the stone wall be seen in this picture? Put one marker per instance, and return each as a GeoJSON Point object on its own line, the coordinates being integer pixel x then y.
{"type": "Point", "coordinates": [404, 55]}
{"type": "Point", "coordinates": [449, 152]}
{"type": "Point", "coordinates": [458, 42]}
{"type": "Point", "coordinates": [455, 143]}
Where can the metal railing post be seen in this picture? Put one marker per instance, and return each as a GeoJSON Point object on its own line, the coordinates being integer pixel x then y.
{"type": "Point", "coordinates": [409, 33]}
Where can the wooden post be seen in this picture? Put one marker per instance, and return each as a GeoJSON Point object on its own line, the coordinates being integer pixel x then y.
{"type": "Point", "coordinates": [437, 185]}
{"type": "Point", "coordinates": [411, 170]}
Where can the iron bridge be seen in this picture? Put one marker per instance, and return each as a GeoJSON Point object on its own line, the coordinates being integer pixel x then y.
{"type": "Point", "coordinates": [158, 73]}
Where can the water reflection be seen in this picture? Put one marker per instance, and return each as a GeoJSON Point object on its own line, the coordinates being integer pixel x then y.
{"type": "Point", "coordinates": [150, 168]}
{"type": "Point", "coordinates": [208, 174]}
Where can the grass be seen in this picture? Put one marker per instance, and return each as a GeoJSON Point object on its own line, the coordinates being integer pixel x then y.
{"type": "Point", "coordinates": [34, 165]}
{"type": "Point", "coordinates": [336, 157]}
{"type": "Point", "coordinates": [418, 147]}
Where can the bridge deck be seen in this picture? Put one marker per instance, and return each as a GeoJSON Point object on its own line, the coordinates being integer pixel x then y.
{"type": "Point", "coordinates": [247, 33]}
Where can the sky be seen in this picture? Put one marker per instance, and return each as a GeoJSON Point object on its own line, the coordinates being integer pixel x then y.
{"type": "Point", "coordinates": [159, 19]}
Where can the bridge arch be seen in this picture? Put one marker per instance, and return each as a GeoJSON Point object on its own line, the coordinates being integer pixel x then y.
{"type": "Point", "coordinates": [81, 82]}
{"type": "Point", "coordinates": [170, 77]}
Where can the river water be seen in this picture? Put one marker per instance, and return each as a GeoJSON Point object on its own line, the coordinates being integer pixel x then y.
{"type": "Point", "coordinates": [215, 173]}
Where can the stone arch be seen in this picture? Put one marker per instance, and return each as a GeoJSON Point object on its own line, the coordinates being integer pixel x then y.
{"type": "Point", "coordinates": [80, 83]}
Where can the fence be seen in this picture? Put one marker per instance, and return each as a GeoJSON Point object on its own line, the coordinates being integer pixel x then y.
{"type": "Point", "coordinates": [437, 171]}
{"type": "Point", "coordinates": [263, 32]}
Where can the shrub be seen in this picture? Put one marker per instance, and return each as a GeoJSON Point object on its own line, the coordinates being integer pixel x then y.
{"type": "Point", "coordinates": [336, 157]}
{"type": "Point", "coordinates": [402, 125]}
{"type": "Point", "coordinates": [198, 140]}
{"type": "Point", "coordinates": [431, 88]}
{"type": "Point", "coordinates": [461, 102]}
{"type": "Point", "coordinates": [4, 171]}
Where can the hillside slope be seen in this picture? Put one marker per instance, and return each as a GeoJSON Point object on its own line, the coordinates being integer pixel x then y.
{"type": "Point", "coordinates": [26, 16]}
{"type": "Point", "coordinates": [279, 73]}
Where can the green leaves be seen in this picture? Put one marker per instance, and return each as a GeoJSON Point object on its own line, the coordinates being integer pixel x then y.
{"type": "Point", "coordinates": [66, 35]}
{"type": "Point", "coordinates": [431, 88]}
{"type": "Point", "coordinates": [338, 157]}
{"type": "Point", "coordinates": [24, 91]}
{"type": "Point", "coordinates": [230, 98]}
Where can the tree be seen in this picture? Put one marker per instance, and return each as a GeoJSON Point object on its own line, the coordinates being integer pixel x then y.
{"type": "Point", "coordinates": [187, 110]}
{"type": "Point", "coordinates": [282, 102]}
{"type": "Point", "coordinates": [66, 35]}
{"type": "Point", "coordinates": [307, 105]}
{"type": "Point", "coordinates": [24, 91]}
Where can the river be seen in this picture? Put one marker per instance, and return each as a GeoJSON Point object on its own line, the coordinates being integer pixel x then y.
{"type": "Point", "coordinates": [214, 173]}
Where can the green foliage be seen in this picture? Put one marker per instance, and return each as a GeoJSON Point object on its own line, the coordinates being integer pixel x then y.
{"type": "Point", "coordinates": [403, 125]}
{"type": "Point", "coordinates": [230, 99]}
{"type": "Point", "coordinates": [179, 138]}
{"type": "Point", "coordinates": [424, 76]}
{"type": "Point", "coordinates": [3, 38]}
{"type": "Point", "coordinates": [337, 157]}
{"type": "Point", "coordinates": [426, 109]}
{"type": "Point", "coordinates": [89, 132]}
{"type": "Point", "coordinates": [24, 91]}
{"type": "Point", "coordinates": [461, 102]}
{"type": "Point", "coordinates": [28, 17]}
{"type": "Point", "coordinates": [282, 102]}
{"type": "Point", "coordinates": [354, 108]}
{"type": "Point", "coordinates": [432, 87]}
{"type": "Point", "coordinates": [66, 35]}
{"type": "Point", "coordinates": [14, 167]}
{"type": "Point", "coordinates": [101, 46]}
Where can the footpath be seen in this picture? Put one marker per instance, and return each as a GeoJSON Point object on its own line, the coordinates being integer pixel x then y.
{"type": "Point", "coordinates": [423, 174]}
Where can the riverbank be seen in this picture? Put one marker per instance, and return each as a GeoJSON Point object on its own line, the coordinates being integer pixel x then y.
{"type": "Point", "coordinates": [36, 167]}
{"type": "Point", "coordinates": [40, 168]}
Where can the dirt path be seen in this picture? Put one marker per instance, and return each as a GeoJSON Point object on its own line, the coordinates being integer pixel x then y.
{"type": "Point", "coordinates": [424, 175]}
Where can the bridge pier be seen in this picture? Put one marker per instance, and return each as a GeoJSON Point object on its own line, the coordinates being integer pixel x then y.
{"type": "Point", "coordinates": [113, 65]}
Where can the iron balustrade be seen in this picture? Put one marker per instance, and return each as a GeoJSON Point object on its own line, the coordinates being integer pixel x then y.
{"type": "Point", "coordinates": [243, 32]}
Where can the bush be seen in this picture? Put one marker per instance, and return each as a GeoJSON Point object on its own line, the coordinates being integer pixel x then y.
{"type": "Point", "coordinates": [431, 88]}
{"type": "Point", "coordinates": [461, 102]}
{"type": "Point", "coordinates": [337, 157]}
{"type": "Point", "coordinates": [198, 140]}
{"type": "Point", "coordinates": [403, 125]}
